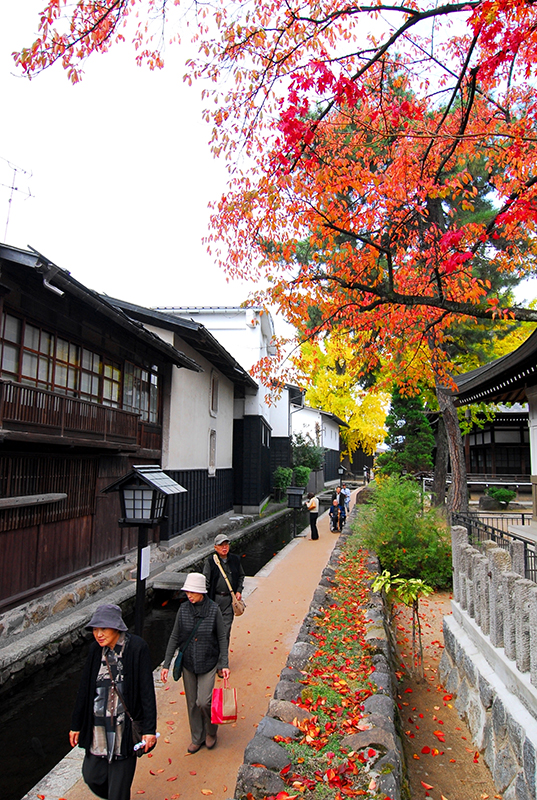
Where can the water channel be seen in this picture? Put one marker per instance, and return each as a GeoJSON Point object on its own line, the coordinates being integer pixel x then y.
{"type": "Point", "coordinates": [35, 718]}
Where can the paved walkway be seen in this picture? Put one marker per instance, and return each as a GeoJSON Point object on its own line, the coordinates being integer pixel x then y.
{"type": "Point", "coordinates": [278, 598]}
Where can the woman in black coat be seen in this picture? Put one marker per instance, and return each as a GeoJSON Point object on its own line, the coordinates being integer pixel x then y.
{"type": "Point", "coordinates": [116, 689]}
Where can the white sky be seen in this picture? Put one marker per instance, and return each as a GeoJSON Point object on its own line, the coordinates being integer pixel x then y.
{"type": "Point", "coordinates": [119, 170]}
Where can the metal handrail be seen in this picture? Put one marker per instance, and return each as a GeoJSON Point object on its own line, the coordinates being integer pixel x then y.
{"type": "Point", "coordinates": [479, 531]}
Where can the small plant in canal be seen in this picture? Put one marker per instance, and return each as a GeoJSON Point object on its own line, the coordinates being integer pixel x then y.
{"type": "Point", "coordinates": [407, 591]}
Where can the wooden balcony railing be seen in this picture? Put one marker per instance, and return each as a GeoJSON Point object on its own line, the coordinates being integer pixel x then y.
{"type": "Point", "coordinates": [41, 411]}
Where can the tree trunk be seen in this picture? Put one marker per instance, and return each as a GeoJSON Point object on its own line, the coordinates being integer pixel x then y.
{"type": "Point", "coordinates": [441, 464]}
{"type": "Point", "coordinates": [458, 492]}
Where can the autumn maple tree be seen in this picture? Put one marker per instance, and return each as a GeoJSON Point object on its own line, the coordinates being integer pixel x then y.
{"type": "Point", "coordinates": [352, 133]}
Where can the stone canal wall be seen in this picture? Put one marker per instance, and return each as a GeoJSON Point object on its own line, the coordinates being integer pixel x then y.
{"type": "Point", "coordinates": [259, 775]}
{"type": "Point", "coordinates": [50, 626]}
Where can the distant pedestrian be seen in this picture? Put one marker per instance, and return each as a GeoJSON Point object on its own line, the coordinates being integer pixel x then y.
{"type": "Point", "coordinates": [347, 493]}
{"type": "Point", "coordinates": [313, 507]}
{"type": "Point", "coordinates": [338, 495]}
{"type": "Point", "coordinates": [366, 474]}
{"type": "Point", "coordinates": [116, 689]}
{"type": "Point", "coordinates": [217, 587]}
{"type": "Point", "coordinates": [200, 634]}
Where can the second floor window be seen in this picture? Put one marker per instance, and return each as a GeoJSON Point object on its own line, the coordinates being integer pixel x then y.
{"type": "Point", "coordinates": [35, 357]}
{"type": "Point", "coordinates": [140, 391]}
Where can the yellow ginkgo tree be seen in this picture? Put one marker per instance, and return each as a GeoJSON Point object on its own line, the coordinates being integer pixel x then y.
{"type": "Point", "coordinates": [327, 369]}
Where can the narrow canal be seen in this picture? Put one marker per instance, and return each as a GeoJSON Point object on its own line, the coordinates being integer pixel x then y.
{"type": "Point", "coordinates": [35, 718]}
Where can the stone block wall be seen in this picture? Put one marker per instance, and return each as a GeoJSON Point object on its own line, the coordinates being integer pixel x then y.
{"type": "Point", "coordinates": [489, 662]}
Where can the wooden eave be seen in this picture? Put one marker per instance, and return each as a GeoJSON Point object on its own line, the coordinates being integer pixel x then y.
{"type": "Point", "coordinates": [198, 337]}
{"type": "Point", "coordinates": [63, 281]}
{"type": "Point", "coordinates": [502, 381]}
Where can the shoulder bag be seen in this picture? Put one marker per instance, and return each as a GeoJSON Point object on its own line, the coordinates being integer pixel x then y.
{"type": "Point", "coordinates": [238, 605]}
{"type": "Point", "coordinates": [178, 664]}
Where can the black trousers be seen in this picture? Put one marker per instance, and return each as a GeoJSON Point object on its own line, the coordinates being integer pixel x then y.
{"type": "Point", "coordinates": [110, 780]}
{"type": "Point", "coordinates": [313, 524]}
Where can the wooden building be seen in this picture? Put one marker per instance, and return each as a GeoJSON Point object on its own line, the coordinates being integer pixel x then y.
{"type": "Point", "coordinates": [208, 448]}
{"type": "Point", "coordinates": [510, 379]}
{"type": "Point", "coordinates": [82, 390]}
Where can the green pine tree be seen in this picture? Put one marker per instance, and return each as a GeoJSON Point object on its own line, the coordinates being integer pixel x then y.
{"type": "Point", "coordinates": [410, 438]}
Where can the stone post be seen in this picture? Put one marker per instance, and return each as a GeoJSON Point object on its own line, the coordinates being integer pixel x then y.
{"type": "Point", "coordinates": [499, 563]}
{"type": "Point", "coordinates": [533, 635]}
{"type": "Point", "coordinates": [509, 615]}
{"type": "Point", "coordinates": [522, 623]}
{"type": "Point", "coordinates": [481, 579]}
{"type": "Point", "coordinates": [459, 536]}
{"type": "Point", "coordinates": [516, 549]}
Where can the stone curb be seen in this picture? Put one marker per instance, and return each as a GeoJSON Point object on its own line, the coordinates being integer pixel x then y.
{"type": "Point", "coordinates": [259, 775]}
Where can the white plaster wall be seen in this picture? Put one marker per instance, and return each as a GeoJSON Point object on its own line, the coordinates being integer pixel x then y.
{"type": "Point", "coordinates": [331, 434]}
{"type": "Point", "coordinates": [305, 420]}
{"type": "Point", "coordinates": [240, 331]}
{"type": "Point", "coordinates": [189, 418]}
{"type": "Point", "coordinates": [279, 415]}
{"type": "Point", "coordinates": [531, 394]}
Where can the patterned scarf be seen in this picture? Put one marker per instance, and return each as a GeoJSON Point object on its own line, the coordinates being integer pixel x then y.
{"type": "Point", "coordinates": [108, 711]}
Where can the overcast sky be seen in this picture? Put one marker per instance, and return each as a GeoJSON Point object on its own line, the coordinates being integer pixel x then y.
{"type": "Point", "coordinates": [119, 172]}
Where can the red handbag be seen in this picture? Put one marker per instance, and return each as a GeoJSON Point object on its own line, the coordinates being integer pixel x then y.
{"type": "Point", "coordinates": [224, 705]}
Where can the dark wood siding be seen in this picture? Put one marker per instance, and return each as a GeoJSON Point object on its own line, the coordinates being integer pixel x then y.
{"type": "Point", "coordinates": [206, 497]}
{"type": "Point", "coordinates": [45, 546]}
{"type": "Point", "coordinates": [251, 461]}
{"type": "Point", "coordinates": [280, 453]}
{"type": "Point", "coordinates": [35, 474]}
{"type": "Point", "coordinates": [331, 463]}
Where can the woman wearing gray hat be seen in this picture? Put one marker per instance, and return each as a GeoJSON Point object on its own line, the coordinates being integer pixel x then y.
{"type": "Point", "coordinates": [116, 690]}
{"type": "Point", "coordinates": [200, 634]}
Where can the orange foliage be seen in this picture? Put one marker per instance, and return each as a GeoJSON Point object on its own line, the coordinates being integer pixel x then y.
{"type": "Point", "coordinates": [361, 128]}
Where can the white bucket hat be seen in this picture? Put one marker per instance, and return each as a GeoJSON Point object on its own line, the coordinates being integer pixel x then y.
{"type": "Point", "coordinates": [195, 582]}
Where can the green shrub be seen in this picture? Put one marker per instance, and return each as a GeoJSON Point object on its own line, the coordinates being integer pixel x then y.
{"type": "Point", "coordinates": [407, 542]}
{"type": "Point", "coordinates": [306, 453]}
{"type": "Point", "coordinates": [501, 494]}
{"type": "Point", "coordinates": [302, 476]}
{"type": "Point", "coordinates": [282, 477]}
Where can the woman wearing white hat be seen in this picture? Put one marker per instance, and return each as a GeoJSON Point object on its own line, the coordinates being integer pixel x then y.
{"type": "Point", "coordinates": [204, 653]}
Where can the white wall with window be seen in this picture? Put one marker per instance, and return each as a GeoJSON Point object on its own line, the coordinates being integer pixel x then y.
{"type": "Point", "coordinates": [198, 417]}
{"type": "Point", "coordinates": [321, 428]}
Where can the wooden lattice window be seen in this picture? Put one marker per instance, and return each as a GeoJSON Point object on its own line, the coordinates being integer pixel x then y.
{"type": "Point", "coordinates": [22, 475]}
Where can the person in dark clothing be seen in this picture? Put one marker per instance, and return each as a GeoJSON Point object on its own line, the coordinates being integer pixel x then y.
{"type": "Point", "coordinates": [206, 652]}
{"type": "Point", "coordinates": [217, 587]}
{"type": "Point", "coordinates": [337, 516]}
{"type": "Point", "coordinates": [117, 681]}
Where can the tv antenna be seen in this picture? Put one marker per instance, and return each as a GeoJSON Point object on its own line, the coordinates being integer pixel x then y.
{"type": "Point", "coordinates": [13, 187]}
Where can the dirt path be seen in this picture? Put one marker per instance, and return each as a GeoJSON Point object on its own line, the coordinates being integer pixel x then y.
{"type": "Point", "coordinates": [442, 762]}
